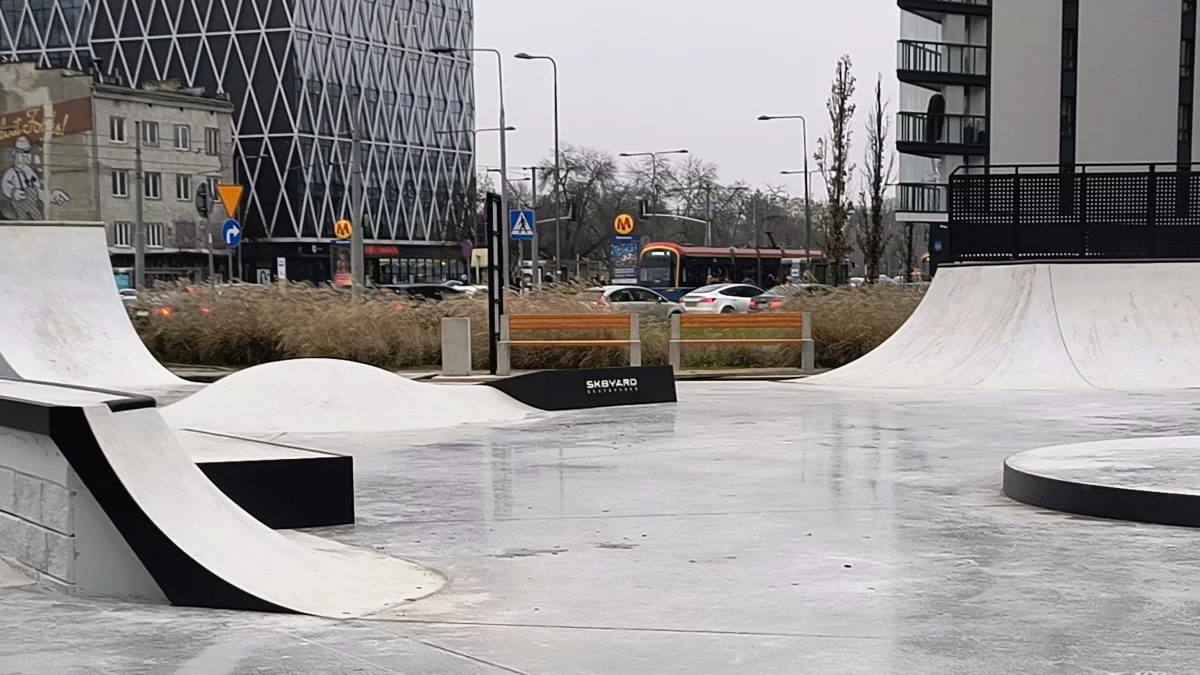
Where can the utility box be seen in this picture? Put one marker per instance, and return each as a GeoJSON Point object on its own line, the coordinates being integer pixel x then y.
{"type": "Point", "coordinates": [456, 347]}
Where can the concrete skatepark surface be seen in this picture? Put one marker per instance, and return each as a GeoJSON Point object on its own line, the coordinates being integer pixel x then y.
{"type": "Point", "coordinates": [61, 319]}
{"type": "Point", "coordinates": [752, 528]}
{"type": "Point", "coordinates": [332, 396]}
{"type": "Point", "coordinates": [1048, 326]}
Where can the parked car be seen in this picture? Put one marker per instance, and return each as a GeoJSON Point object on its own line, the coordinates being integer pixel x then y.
{"type": "Point", "coordinates": [776, 297]}
{"type": "Point", "coordinates": [721, 298]}
{"type": "Point", "coordinates": [425, 291]}
{"type": "Point", "coordinates": [128, 295]}
{"type": "Point", "coordinates": [633, 300]}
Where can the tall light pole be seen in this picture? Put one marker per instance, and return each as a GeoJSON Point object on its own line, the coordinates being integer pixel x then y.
{"type": "Point", "coordinates": [451, 51]}
{"type": "Point", "coordinates": [654, 172]}
{"type": "Point", "coordinates": [557, 165]}
{"type": "Point", "coordinates": [807, 196]}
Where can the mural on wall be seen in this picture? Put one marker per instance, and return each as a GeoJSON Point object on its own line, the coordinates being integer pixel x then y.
{"type": "Point", "coordinates": [22, 186]}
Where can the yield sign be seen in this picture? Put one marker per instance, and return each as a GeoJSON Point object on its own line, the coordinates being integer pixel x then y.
{"type": "Point", "coordinates": [230, 195]}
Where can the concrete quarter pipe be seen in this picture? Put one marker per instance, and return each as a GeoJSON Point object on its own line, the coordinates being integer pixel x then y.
{"type": "Point", "coordinates": [197, 545]}
{"type": "Point", "coordinates": [1043, 326]}
{"type": "Point", "coordinates": [61, 319]}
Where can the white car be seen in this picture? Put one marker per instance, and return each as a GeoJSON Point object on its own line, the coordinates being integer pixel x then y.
{"type": "Point", "coordinates": [721, 299]}
{"type": "Point", "coordinates": [633, 300]}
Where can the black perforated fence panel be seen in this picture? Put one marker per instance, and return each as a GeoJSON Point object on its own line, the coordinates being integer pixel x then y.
{"type": "Point", "coordinates": [1096, 214]}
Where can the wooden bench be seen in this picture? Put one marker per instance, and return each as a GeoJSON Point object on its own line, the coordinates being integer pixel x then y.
{"type": "Point", "coordinates": [566, 322]}
{"type": "Point", "coordinates": [785, 320]}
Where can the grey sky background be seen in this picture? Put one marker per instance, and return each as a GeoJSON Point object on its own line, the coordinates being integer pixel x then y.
{"type": "Point", "coordinates": [647, 75]}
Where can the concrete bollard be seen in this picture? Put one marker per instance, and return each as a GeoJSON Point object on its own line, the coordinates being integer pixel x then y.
{"type": "Point", "coordinates": [808, 348]}
{"type": "Point", "coordinates": [456, 347]}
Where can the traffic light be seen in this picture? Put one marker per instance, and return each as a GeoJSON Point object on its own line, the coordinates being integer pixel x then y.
{"type": "Point", "coordinates": [644, 208]}
{"type": "Point", "coordinates": [572, 212]}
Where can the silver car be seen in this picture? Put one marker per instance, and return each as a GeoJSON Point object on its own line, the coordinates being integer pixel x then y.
{"type": "Point", "coordinates": [633, 300]}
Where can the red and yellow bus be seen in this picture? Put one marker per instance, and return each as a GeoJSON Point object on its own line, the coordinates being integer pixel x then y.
{"type": "Point", "coordinates": [674, 269]}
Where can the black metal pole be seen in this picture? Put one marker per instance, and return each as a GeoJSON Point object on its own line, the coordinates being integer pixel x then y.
{"type": "Point", "coordinates": [494, 229]}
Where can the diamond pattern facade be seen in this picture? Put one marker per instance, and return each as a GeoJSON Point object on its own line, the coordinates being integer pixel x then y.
{"type": "Point", "coordinates": [305, 77]}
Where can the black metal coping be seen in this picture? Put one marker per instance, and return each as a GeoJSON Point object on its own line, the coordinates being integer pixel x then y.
{"type": "Point", "coordinates": [1065, 261]}
{"type": "Point", "coordinates": [1101, 501]}
{"type": "Point", "coordinates": [33, 416]}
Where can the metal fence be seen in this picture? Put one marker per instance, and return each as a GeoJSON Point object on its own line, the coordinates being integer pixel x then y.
{"type": "Point", "coordinates": [1096, 211]}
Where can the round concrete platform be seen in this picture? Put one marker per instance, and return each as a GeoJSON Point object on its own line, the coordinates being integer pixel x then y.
{"type": "Point", "coordinates": [1148, 480]}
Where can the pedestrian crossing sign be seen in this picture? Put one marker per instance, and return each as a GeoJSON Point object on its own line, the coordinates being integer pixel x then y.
{"type": "Point", "coordinates": [520, 225]}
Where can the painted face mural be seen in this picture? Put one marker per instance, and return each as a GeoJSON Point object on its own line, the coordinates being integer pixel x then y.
{"type": "Point", "coordinates": [22, 186]}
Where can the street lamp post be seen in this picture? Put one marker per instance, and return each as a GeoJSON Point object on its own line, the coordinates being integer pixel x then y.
{"type": "Point", "coordinates": [450, 51]}
{"type": "Point", "coordinates": [654, 172]}
{"type": "Point", "coordinates": [807, 196]}
{"type": "Point", "coordinates": [557, 165]}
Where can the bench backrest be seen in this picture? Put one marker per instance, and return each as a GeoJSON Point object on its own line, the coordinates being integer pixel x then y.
{"type": "Point", "coordinates": [568, 321]}
{"type": "Point", "coordinates": [741, 321]}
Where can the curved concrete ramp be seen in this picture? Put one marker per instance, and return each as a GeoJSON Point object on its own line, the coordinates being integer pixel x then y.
{"type": "Point", "coordinates": [61, 319]}
{"type": "Point", "coordinates": [198, 546]}
{"type": "Point", "coordinates": [332, 396]}
{"type": "Point", "coordinates": [1043, 326]}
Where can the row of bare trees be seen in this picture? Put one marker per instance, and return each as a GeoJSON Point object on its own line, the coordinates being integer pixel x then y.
{"type": "Point", "coordinates": [701, 209]}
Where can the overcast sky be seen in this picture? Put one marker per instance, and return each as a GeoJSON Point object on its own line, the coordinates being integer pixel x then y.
{"type": "Point", "coordinates": [648, 75]}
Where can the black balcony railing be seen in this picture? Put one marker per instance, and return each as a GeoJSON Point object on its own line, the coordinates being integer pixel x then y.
{"type": "Point", "coordinates": [942, 58]}
{"type": "Point", "coordinates": [940, 129]}
{"type": "Point", "coordinates": [944, 6]}
{"type": "Point", "coordinates": [921, 198]}
{"type": "Point", "coordinates": [1113, 211]}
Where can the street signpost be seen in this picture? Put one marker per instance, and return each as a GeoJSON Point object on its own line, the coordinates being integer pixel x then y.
{"type": "Point", "coordinates": [623, 225]}
{"type": "Point", "coordinates": [231, 233]}
{"type": "Point", "coordinates": [204, 201]}
{"type": "Point", "coordinates": [520, 225]}
{"type": "Point", "coordinates": [230, 196]}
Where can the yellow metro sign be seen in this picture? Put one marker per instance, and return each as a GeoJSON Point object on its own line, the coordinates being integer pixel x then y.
{"type": "Point", "coordinates": [623, 224]}
{"type": "Point", "coordinates": [342, 229]}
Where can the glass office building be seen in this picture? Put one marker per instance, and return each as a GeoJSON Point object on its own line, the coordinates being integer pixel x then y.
{"type": "Point", "coordinates": [306, 78]}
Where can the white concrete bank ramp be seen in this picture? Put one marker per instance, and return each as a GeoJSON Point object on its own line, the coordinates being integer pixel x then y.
{"type": "Point", "coordinates": [197, 545]}
{"type": "Point", "coordinates": [61, 319]}
{"type": "Point", "coordinates": [1044, 326]}
{"type": "Point", "coordinates": [332, 396]}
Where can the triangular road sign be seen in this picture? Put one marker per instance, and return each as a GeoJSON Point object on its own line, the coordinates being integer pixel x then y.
{"type": "Point", "coordinates": [230, 195]}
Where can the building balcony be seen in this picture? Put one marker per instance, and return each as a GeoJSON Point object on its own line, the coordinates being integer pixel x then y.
{"type": "Point", "coordinates": [934, 65]}
{"type": "Point", "coordinates": [938, 135]}
{"type": "Point", "coordinates": [921, 198]}
{"type": "Point", "coordinates": [934, 10]}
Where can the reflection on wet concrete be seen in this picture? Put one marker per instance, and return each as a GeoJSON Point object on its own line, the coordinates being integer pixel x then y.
{"type": "Point", "coordinates": [752, 528]}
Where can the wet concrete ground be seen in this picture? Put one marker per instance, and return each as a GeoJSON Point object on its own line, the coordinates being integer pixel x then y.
{"type": "Point", "coordinates": [752, 528]}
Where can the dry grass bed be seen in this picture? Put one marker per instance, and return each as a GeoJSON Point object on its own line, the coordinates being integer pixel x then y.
{"type": "Point", "coordinates": [244, 325]}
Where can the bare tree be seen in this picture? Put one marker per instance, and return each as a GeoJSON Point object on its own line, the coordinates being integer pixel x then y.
{"type": "Point", "coordinates": [833, 161]}
{"type": "Point", "coordinates": [878, 173]}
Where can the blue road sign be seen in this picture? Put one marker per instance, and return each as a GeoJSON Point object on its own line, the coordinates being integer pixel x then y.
{"type": "Point", "coordinates": [520, 225]}
{"type": "Point", "coordinates": [231, 233]}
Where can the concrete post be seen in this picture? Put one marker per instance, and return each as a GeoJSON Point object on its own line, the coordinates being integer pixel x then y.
{"type": "Point", "coordinates": [635, 341]}
{"type": "Point", "coordinates": [456, 347]}
{"type": "Point", "coordinates": [503, 355]}
{"type": "Point", "coordinates": [808, 348]}
{"type": "Point", "coordinates": [673, 349]}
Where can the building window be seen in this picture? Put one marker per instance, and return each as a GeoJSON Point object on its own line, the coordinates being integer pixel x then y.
{"type": "Point", "coordinates": [122, 234]}
{"type": "Point", "coordinates": [183, 137]}
{"type": "Point", "coordinates": [120, 183]}
{"type": "Point", "coordinates": [150, 133]}
{"type": "Point", "coordinates": [183, 187]}
{"type": "Point", "coordinates": [154, 235]}
{"type": "Point", "coordinates": [1187, 54]}
{"type": "Point", "coordinates": [212, 141]}
{"type": "Point", "coordinates": [1070, 39]}
{"type": "Point", "coordinates": [1185, 123]}
{"type": "Point", "coordinates": [153, 182]}
{"type": "Point", "coordinates": [116, 129]}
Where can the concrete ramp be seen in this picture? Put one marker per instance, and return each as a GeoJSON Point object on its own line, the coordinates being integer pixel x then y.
{"type": "Point", "coordinates": [1043, 326]}
{"type": "Point", "coordinates": [197, 545]}
{"type": "Point", "coordinates": [61, 319]}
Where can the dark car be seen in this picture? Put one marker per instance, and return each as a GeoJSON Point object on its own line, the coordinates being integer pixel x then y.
{"type": "Point", "coordinates": [425, 291]}
{"type": "Point", "coordinates": [776, 297]}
